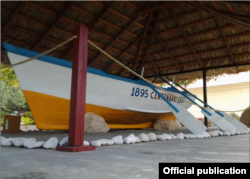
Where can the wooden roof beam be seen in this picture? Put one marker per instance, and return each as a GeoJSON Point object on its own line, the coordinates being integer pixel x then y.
{"type": "Point", "coordinates": [109, 45]}
{"type": "Point", "coordinates": [11, 16]}
{"type": "Point", "coordinates": [123, 52]}
{"type": "Point", "coordinates": [91, 26]}
{"type": "Point", "coordinates": [118, 36]}
{"type": "Point", "coordinates": [160, 6]}
{"type": "Point", "coordinates": [244, 25]}
{"type": "Point", "coordinates": [100, 20]}
{"type": "Point", "coordinates": [142, 42]}
{"type": "Point", "coordinates": [186, 38]}
{"type": "Point", "coordinates": [149, 43]}
{"type": "Point", "coordinates": [53, 24]}
{"type": "Point", "coordinates": [201, 53]}
{"type": "Point", "coordinates": [140, 47]}
{"type": "Point", "coordinates": [200, 69]}
{"type": "Point", "coordinates": [131, 5]}
{"type": "Point", "coordinates": [215, 5]}
{"type": "Point", "coordinates": [117, 13]}
{"type": "Point", "coordinates": [170, 54]}
{"type": "Point", "coordinates": [230, 7]}
{"type": "Point", "coordinates": [239, 2]}
{"type": "Point", "coordinates": [202, 43]}
{"type": "Point", "coordinates": [229, 50]}
{"type": "Point", "coordinates": [246, 9]}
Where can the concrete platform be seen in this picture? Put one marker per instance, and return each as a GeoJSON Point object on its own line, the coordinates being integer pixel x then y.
{"type": "Point", "coordinates": [120, 161]}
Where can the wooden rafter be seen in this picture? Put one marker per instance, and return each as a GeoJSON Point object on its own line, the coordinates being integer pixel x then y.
{"type": "Point", "coordinates": [160, 6]}
{"type": "Point", "coordinates": [201, 2]}
{"type": "Point", "coordinates": [154, 65]}
{"type": "Point", "coordinates": [109, 45]}
{"type": "Point", "coordinates": [200, 43]}
{"type": "Point", "coordinates": [123, 52]}
{"type": "Point", "coordinates": [168, 52]}
{"type": "Point", "coordinates": [202, 53]}
{"type": "Point", "coordinates": [117, 13]}
{"type": "Point", "coordinates": [117, 37]}
{"type": "Point", "coordinates": [20, 5]}
{"type": "Point", "coordinates": [53, 24]}
{"type": "Point", "coordinates": [142, 42]}
{"type": "Point", "coordinates": [244, 25]}
{"type": "Point", "coordinates": [229, 50]}
{"type": "Point", "coordinates": [91, 26]}
{"type": "Point", "coordinates": [230, 7]}
{"type": "Point", "coordinates": [246, 9]}
{"type": "Point", "coordinates": [239, 2]}
{"type": "Point", "coordinates": [215, 5]}
{"type": "Point", "coordinates": [131, 5]}
{"type": "Point", "coordinates": [186, 38]}
{"type": "Point", "coordinates": [150, 40]}
{"type": "Point", "coordinates": [100, 20]}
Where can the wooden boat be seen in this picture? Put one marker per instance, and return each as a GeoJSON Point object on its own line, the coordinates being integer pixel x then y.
{"type": "Point", "coordinates": [123, 103]}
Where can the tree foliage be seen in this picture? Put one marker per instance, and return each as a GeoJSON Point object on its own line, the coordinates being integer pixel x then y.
{"type": "Point", "coordinates": [12, 98]}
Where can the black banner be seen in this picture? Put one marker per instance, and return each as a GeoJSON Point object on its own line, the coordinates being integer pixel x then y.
{"type": "Point", "coordinates": [203, 169]}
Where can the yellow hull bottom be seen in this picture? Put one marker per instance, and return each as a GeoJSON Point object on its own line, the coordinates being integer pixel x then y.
{"type": "Point", "coordinates": [52, 113]}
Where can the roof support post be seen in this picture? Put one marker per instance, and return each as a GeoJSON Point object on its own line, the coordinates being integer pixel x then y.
{"type": "Point", "coordinates": [78, 93]}
{"type": "Point", "coordinates": [205, 93]}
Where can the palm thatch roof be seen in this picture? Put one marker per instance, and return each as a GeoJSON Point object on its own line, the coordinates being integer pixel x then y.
{"type": "Point", "coordinates": [168, 37]}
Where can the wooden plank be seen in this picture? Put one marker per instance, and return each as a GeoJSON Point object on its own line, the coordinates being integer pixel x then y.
{"type": "Point", "coordinates": [131, 5]}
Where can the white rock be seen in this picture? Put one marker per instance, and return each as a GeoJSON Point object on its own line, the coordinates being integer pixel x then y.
{"type": "Point", "coordinates": [186, 136]}
{"type": "Point", "coordinates": [151, 136]}
{"type": "Point", "coordinates": [64, 141]}
{"type": "Point", "coordinates": [231, 133]}
{"type": "Point", "coordinates": [27, 141]}
{"type": "Point", "coordinates": [143, 137]}
{"type": "Point", "coordinates": [173, 136]}
{"type": "Point", "coordinates": [18, 142]}
{"type": "Point", "coordinates": [238, 132]}
{"type": "Point", "coordinates": [34, 144]}
{"type": "Point", "coordinates": [7, 142]}
{"type": "Point", "coordinates": [137, 139]}
{"type": "Point", "coordinates": [199, 136]}
{"type": "Point", "coordinates": [161, 137]}
{"type": "Point", "coordinates": [180, 136]}
{"type": "Point", "coordinates": [118, 139]}
{"type": "Point", "coordinates": [106, 142]}
{"type": "Point", "coordinates": [192, 136]}
{"type": "Point", "coordinates": [220, 133]}
{"type": "Point", "coordinates": [51, 143]}
{"type": "Point", "coordinates": [167, 136]}
{"type": "Point", "coordinates": [103, 141]}
{"type": "Point", "coordinates": [130, 139]}
{"type": "Point", "coordinates": [206, 134]}
{"type": "Point", "coordinates": [85, 143]}
{"type": "Point", "coordinates": [226, 133]}
{"type": "Point", "coordinates": [2, 139]}
{"type": "Point", "coordinates": [96, 143]}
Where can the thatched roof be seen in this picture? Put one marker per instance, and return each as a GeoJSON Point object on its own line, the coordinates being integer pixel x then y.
{"type": "Point", "coordinates": [170, 38]}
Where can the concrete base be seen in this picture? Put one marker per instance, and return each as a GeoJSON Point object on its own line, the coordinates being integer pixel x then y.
{"type": "Point", "coordinates": [75, 148]}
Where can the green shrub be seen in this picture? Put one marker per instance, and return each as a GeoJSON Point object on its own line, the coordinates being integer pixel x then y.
{"type": "Point", "coordinates": [2, 117]}
{"type": "Point", "coordinates": [28, 114]}
{"type": "Point", "coordinates": [27, 120]}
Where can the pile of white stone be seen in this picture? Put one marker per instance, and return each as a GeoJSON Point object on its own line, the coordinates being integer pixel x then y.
{"type": "Point", "coordinates": [53, 142]}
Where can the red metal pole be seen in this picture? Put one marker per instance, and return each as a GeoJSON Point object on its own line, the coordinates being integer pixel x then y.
{"type": "Point", "coordinates": [78, 93]}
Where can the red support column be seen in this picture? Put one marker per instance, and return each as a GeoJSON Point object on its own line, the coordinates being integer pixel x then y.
{"type": "Point", "coordinates": [78, 93]}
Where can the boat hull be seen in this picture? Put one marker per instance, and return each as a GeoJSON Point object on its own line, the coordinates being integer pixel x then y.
{"type": "Point", "coordinates": [123, 103]}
